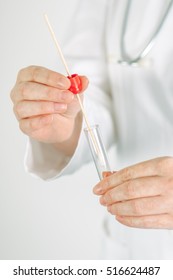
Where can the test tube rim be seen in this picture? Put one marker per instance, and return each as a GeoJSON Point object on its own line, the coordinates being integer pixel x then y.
{"type": "Point", "coordinates": [94, 126]}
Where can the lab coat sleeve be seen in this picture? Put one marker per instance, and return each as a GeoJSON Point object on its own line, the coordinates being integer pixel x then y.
{"type": "Point", "coordinates": [85, 55]}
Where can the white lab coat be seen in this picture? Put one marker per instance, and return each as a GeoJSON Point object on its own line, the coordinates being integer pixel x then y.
{"type": "Point", "coordinates": [133, 105]}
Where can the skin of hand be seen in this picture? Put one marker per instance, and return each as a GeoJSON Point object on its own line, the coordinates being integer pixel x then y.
{"type": "Point", "coordinates": [45, 109]}
{"type": "Point", "coordinates": [141, 195]}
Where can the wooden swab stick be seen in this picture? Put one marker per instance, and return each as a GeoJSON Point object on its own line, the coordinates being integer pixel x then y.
{"type": "Point", "coordinates": [57, 44]}
{"type": "Point", "coordinates": [68, 73]}
{"type": "Point", "coordinates": [66, 67]}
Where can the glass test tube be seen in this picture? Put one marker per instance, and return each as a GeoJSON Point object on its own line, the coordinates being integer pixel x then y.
{"type": "Point", "coordinates": [97, 150]}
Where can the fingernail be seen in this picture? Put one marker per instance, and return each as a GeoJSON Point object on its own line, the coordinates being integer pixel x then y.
{"type": "Point", "coordinates": [103, 201]}
{"type": "Point", "coordinates": [106, 174]}
{"type": "Point", "coordinates": [97, 190]}
{"type": "Point", "coordinates": [66, 95]}
{"type": "Point", "coordinates": [63, 83]}
{"type": "Point", "coordinates": [59, 106]}
{"type": "Point", "coordinates": [119, 217]}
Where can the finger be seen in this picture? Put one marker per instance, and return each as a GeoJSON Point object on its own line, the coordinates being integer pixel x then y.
{"type": "Point", "coordinates": [26, 109]}
{"type": "Point", "coordinates": [137, 188]}
{"type": "Point", "coordinates": [162, 221]}
{"type": "Point", "coordinates": [43, 76]}
{"type": "Point", "coordinates": [155, 167]}
{"type": "Point", "coordinates": [30, 125]}
{"type": "Point", "coordinates": [47, 77]}
{"type": "Point", "coordinates": [107, 173]}
{"type": "Point", "coordinates": [85, 82]}
{"type": "Point", "coordinates": [141, 207]}
{"type": "Point", "coordinates": [34, 91]}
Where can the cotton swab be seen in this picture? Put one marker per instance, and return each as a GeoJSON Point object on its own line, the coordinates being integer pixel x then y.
{"type": "Point", "coordinates": [68, 73]}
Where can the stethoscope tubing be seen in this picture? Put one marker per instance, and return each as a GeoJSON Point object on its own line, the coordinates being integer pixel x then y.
{"type": "Point", "coordinates": [125, 58]}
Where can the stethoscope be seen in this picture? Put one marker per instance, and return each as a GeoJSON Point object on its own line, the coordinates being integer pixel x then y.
{"type": "Point", "coordinates": [125, 58]}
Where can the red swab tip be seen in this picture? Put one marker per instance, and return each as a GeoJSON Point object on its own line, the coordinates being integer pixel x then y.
{"type": "Point", "coordinates": [76, 85]}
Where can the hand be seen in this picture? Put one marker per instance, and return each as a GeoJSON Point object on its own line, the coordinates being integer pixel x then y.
{"type": "Point", "coordinates": [46, 110]}
{"type": "Point", "coordinates": [140, 195]}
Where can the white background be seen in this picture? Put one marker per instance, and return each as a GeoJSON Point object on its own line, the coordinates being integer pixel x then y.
{"type": "Point", "coordinates": [39, 220]}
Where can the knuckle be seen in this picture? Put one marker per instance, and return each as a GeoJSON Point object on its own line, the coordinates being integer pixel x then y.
{"type": "Point", "coordinates": [23, 72]}
{"type": "Point", "coordinates": [136, 207]}
{"type": "Point", "coordinates": [130, 189]}
{"type": "Point", "coordinates": [20, 73]}
{"type": "Point", "coordinates": [46, 107]}
{"type": "Point", "coordinates": [165, 164]}
{"type": "Point", "coordinates": [145, 222]}
{"type": "Point", "coordinates": [19, 91]}
{"type": "Point", "coordinates": [129, 222]}
{"type": "Point", "coordinates": [15, 113]}
{"type": "Point", "coordinates": [22, 126]}
{"type": "Point", "coordinates": [28, 126]}
{"type": "Point", "coordinates": [126, 174]}
{"type": "Point", "coordinates": [109, 197]}
{"type": "Point", "coordinates": [38, 73]}
{"type": "Point", "coordinates": [33, 126]}
{"type": "Point", "coordinates": [169, 164]}
{"type": "Point", "coordinates": [22, 89]}
{"type": "Point", "coordinates": [118, 210]}
{"type": "Point", "coordinates": [167, 184]}
{"type": "Point", "coordinates": [48, 77]}
{"type": "Point", "coordinates": [35, 71]}
{"type": "Point", "coordinates": [21, 76]}
{"type": "Point", "coordinates": [50, 95]}
{"type": "Point", "coordinates": [107, 182]}
{"type": "Point", "coordinates": [60, 79]}
{"type": "Point", "coordinates": [110, 209]}
{"type": "Point", "coordinates": [149, 205]}
{"type": "Point", "coordinates": [19, 110]}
